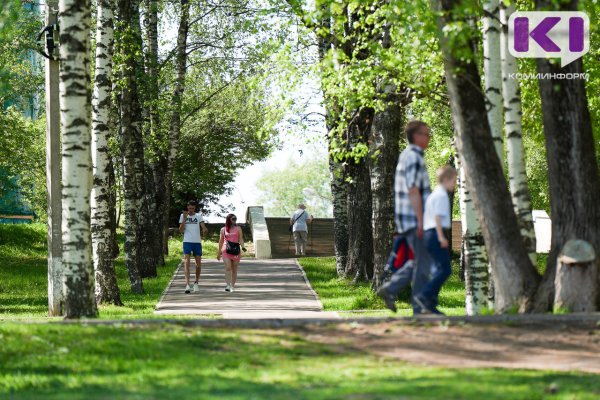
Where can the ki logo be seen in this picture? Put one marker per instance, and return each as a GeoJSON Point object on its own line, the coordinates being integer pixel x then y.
{"type": "Point", "coordinates": [549, 34]}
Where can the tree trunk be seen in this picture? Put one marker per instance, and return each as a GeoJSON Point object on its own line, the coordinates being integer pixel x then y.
{"type": "Point", "coordinates": [492, 70]}
{"type": "Point", "coordinates": [107, 290]}
{"type": "Point", "coordinates": [572, 165]}
{"type": "Point", "coordinates": [339, 188]}
{"type": "Point", "coordinates": [473, 254]}
{"type": "Point", "coordinates": [576, 278]}
{"type": "Point", "coordinates": [146, 251]}
{"type": "Point", "coordinates": [383, 155]}
{"type": "Point", "coordinates": [360, 202]}
{"type": "Point", "coordinates": [131, 142]}
{"type": "Point", "coordinates": [75, 101]}
{"type": "Point", "coordinates": [148, 228]}
{"type": "Point", "coordinates": [514, 276]}
{"type": "Point", "coordinates": [175, 125]}
{"type": "Point", "coordinates": [517, 175]}
{"type": "Point", "coordinates": [154, 187]}
{"type": "Point", "coordinates": [112, 207]}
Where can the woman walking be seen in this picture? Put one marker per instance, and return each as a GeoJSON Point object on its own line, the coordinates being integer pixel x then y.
{"type": "Point", "coordinates": [231, 242]}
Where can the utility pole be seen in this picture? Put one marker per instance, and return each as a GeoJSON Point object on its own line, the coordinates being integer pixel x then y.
{"type": "Point", "coordinates": [53, 158]}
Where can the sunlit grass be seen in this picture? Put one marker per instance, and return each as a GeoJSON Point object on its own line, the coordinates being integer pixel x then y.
{"type": "Point", "coordinates": [163, 362]}
{"type": "Point", "coordinates": [24, 280]}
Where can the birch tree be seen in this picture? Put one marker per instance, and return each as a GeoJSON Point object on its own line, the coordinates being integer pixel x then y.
{"type": "Point", "coordinates": [339, 189]}
{"type": "Point", "coordinates": [515, 152]}
{"type": "Point", "coordinates": [176, 101]}
{"type": "Point", "coordinates": [107, 290]}
{"type": "Point", "coordinates": [131, 137]}
{"type": "Point", "coordinates": [492, 70]}
{"type": "Point", "coordinates": [473, 253]}
{"type": "Point", "coordinates": [75, 101]}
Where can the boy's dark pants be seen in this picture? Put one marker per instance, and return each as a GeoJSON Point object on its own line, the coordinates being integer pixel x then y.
{"type": "Point", "coordinates": [443, 269]}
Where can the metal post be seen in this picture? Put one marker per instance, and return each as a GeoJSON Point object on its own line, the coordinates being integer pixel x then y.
{"type": "Point", "coordinates": [53, 175]}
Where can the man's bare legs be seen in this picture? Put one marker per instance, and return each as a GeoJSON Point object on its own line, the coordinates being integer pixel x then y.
{"type": "Point", "coordinates": [198, 267]}
{"type": "Point", "coordinates": [186, 268]}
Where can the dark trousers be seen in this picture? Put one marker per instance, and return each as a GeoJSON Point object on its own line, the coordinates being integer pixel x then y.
{"type": "Point", "coordinates": [418, 275]}
{"type": "Point", "coordinates": [443, 269]}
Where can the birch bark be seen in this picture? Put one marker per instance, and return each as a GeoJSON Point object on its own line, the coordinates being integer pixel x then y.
{"type": "Point", "coordinates": [107, 290]}
{"type": "Point", "coordinates": [75, 102]}
{"type": "Point", "coordinates": [515, 151]}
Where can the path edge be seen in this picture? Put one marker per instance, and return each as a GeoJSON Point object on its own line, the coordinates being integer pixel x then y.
{"type": "Point", "coordinates": [164, 293]}
{"type": "Point", "coordinates": [309, 285]}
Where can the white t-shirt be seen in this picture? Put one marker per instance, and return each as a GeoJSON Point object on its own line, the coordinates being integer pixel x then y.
{"type": "Point", "coordinates": [300, 224]}
{"type": "Point", "coordinates": [438, 203]}
{"type": "Point", "coordinates": [191, 234]}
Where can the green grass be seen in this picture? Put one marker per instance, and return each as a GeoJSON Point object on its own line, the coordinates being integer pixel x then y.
{"type": "Point", "coordinates": [173, 362]}
{"type": "Point", "coordinates": [122, 361]}
{"type": "Point", "coordinates": [24, 281]}
{"type": "Point", "coordinates": [338, 294]}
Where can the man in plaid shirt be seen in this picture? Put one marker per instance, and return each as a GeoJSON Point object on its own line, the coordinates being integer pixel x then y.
{"type": "Point", "coordinates": [411, 187]}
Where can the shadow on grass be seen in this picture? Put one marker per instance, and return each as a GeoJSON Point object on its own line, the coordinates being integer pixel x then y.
{"type": "Point", "coordinates": [63, 362]}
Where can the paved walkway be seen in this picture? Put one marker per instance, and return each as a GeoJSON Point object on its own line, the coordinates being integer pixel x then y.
{"type": "Point", "coordinates": [264, 289]}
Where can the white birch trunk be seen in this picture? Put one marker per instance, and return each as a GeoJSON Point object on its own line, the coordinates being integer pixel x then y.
{"type": "Point", "coordinates": [78, 271]}
{"type": "Point", "coordinates": [517, 176]}
{"type": "Point", "coordinates": [474, 255]}
{"type": "Point", "coordinates": [107, 290]}
{"type": "Point", "coordinates": [492, 70]}
{"type": "Point", "coordinates": [131, 140]}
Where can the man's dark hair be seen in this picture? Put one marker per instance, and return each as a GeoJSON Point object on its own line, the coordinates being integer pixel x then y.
{"type": "Point", "coordinates": [412, 128]}
{"type": "Point", "coordinates": [193, 203]}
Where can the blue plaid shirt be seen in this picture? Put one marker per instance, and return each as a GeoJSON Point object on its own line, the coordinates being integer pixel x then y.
{"type": "Point", "coordinates": [411, 171]}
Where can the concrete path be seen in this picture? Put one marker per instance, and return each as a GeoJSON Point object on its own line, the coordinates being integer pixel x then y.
{"type": "Point", "coordinates": [264, 289]}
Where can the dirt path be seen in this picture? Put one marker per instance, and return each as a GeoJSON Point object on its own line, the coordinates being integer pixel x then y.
{"type": "Point", "coordinates": [557, 347]}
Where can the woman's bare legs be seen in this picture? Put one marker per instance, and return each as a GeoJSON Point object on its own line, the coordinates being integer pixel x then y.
{"type": "Point", "coordinates": [228, 263]}
{"type": "Point", "coordinates": [234, 271]}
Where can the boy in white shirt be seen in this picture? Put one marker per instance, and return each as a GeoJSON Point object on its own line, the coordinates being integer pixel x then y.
{"type": "Point", "coordinates": [189, 224]}
{"type": "Point", "coordinates": [436, 218]}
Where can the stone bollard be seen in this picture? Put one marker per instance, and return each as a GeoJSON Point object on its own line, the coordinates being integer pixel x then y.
{"type": "Point", "coordinates": [576, 277]}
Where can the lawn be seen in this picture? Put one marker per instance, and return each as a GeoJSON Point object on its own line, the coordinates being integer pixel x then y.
{"type": "Point", "coordinates": [53, 361]}
{"type": "Point", "coordinates": [24, 280]}
{"type": "Point", "coordinates": [338, 294]}
{"type": "Point", "coordinates": [163, 361]}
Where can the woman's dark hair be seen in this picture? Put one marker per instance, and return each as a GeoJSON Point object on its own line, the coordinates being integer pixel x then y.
{"type": "Point", "coordinates": [228, 222]}
{"type": "Point", "coordinates": [412, 128]}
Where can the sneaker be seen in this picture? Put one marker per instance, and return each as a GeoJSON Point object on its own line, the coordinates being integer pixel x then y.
{"type": "Point", "coordinates": [196, 287]}
{"type": "Point", "coordinates": [187, 289]}
{"type": "Point", "coordinates": [231, 288]}
{"type": "Point", "coordinates": [421, 302]}
{"type": "Point", "coordinates": [390, 301]}
{"type": "Point", "coordinates": [228, 288]}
